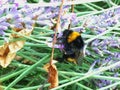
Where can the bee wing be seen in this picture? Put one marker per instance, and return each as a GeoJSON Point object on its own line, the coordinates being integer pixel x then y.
{"type": "Point", "coordinates": [79, 56]}
{"type": "Point", "coordinates": [79, 61]}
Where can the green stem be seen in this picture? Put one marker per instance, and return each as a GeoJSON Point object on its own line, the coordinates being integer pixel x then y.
{"type": "Point", "coordinates": [96, 6]}
{"type": "Point", "coordinates": [90, 7]}
{"type": "Point", "coordinates": [84, 13]}
{"type": "Point", "coordinates": [87, 75]}
{"type": "Point", "coordinates": [76, 83]}
{"type": "Point", "coordinates": [97, 12]}
{"type": "Point", "coordinates": [26, 72]}
{"type": "Point", "coordinates": [11, 75]}
{"type": "Point", "coordinates": [46, 85]}
{"type": "Point", "coordinates": [66, 3]}
{"type": "Point", "coordinates": [113, 4]}
{"type": "Point", "coordinates": [107, 31]}
{"type": "Point", "coordinates": [28, 37]}
{"type": "Point", "coordinates": [35, 45]}
{"type": "Point", "coordinates": [3, 87]}
{"type": "Point", "coordinates": [27, 57]}
{"type": "Point", "coordinates": [94, 76]}
{"type": "Point", "coordinates": [83, 86]}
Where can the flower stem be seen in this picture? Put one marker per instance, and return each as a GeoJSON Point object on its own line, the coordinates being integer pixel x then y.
{"type": "Point", "coordinates": [57, 26]}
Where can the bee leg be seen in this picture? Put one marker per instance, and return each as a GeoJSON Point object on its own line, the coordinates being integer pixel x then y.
{"type": "Point", "coordinates": [72, 60]}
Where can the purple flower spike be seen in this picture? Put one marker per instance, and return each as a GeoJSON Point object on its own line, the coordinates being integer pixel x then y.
{"type": "Point", "coordinates": [73, 16]}
{"type": "Point", "coordinates": [116, 74]}
{"type": "Point", "coordinates": [18, 25]}
{"type": "Point", "coordinates": [95, 42]}
{"type": "Point", "coordinates": [117, 55]}
{"type": "Point", "coordinates": [13, 10]}
{"type": "Point", "coordinates": [2, 28]}
{"type": "Point", "coordinates": [4, 24]}
{"type": "Point", "coordinates": [2, 10]}
{"type": "Point", "coordinates": [98, 51]}
{"type": "Point", "coordinates": [93, 65]}
{"type": "Point", "coordinates": [60, 46]}
{"type": "Point", "coordinates": [11, 1]}
{"type": "Point", "coordinates": [79, 29]}
{"type": "Point", "coordinates": [107, 52]}
{"type": "Point", "coordinates": [60, 35]}
{"type": "Point", "coordinates": [3, 19]}
{"type": "Point", "coordinates": [55, 0]}
{"type": "Point", "coordinates": [115, 45]}
{"type": "Point", "coordinates": [117, 11]}
{"type": "Point", "coordinates": [100, 30]}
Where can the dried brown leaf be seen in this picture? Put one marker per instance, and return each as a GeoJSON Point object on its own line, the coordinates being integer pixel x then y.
{"type": "Point", "coordinates": [8, 50]}
{"type": "Point", "coordinates": [3, 48]}
{"type": "Point", "coordinates": [15, 46]}
{"type": "Point", "coordinates": [19, 34]}
{"type": "Point", "coordinates": [53, 76]}
{"type": "Point", "coordinates": [6, 56]}
{"type": "Point", "coordinates": [46, 66]}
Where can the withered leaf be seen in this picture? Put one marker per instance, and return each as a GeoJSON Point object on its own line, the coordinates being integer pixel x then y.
{"type": "Point", "coordinates": [19, 34]}
{"type": "Point", "coordinates": [15, 46]}
{"type": "Point", "coordinates": [46, 66]}
{"type": "Point", "coordinates": [6, 56]}
{"type": "Point", "coordinates": [3, 48]}
{"type": "Point", "coordinates": [52, 76]}
{"type": "Point", "coordinates": [8, 50]}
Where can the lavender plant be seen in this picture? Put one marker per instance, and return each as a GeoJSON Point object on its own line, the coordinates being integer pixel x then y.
{"type": "Point", "coordinates": [99, 25]}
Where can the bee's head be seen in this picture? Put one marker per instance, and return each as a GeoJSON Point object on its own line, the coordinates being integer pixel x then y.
{"type": "Point", "coordinates": [63, 36]}
{"type": "Point", "coordinates": [66, 33]}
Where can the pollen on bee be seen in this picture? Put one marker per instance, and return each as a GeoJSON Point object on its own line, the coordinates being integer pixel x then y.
{"type": "Point", "coordinates": [72, 60]}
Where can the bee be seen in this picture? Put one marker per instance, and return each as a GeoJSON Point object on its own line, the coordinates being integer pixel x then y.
{"type": "Point", "coordinates": [73, 46]}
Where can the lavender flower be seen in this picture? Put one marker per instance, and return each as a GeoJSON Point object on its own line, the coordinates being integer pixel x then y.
{"type": "Point", "coordinates": [117, 11]}
{"type": "Point", "coordinates": [99, 23]}
{"type": "Point", "coordinates": [3, 26]}
{"type": "Point", "coordinates": [102, 63]}
{"type": "Point", "coordinates": [2, 10]}
{"type": "Point", "coordinates": [102, 83]}
{"type": "Point", "coordinates": [79, 29]}
{"type": "Point", "coordinates": [16, 1]}
{"type": "Point", "coordinates": [11, 1]}
{"type": "Point", "coordinates": [18, 25]}
{"type": "Point", "coordinates": [55, 0]}
{"type": "Point", "coordinates": [98, 51]}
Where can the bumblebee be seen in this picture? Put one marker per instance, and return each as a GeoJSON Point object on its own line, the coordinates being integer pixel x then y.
{"type": "Point", "coordinates": [73, 46]}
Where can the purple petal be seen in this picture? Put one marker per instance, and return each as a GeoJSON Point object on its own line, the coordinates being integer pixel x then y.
{"type": "Point", "coordinates": [98, 51]}
{"type": "Point", "coordinates": [13, 10]}
{"type": "Point", "coordinates": [79, 29]}
{"type": "Point", "coordinates": [2, 19]}
{"type": "Point", "coordinates": [5, 24]}
{"type": "Point", "coordinates": [11, 1]}
{"type": "Point", "coordinates": [18, 25]}
{"type": "Point", "coordinates": [117, 11]}
{"type": "Point", "coordinates": [107, 52]}
{"type": "Point", "coordinates": [3, 28]}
